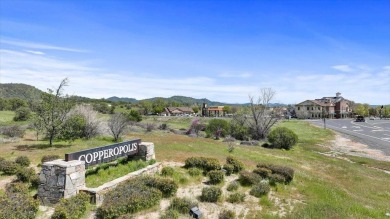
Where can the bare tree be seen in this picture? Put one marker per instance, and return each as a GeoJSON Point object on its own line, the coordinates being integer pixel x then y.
{"type": "Point", "coordinates": [93, 123]}
{"type": "Point", "coordinates": [262, 115]}
{"type": "Point", "coordinates": [117, 125]}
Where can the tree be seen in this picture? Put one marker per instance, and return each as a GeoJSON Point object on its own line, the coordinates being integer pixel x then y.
{"type": "Point", "coordinates": [73, 128]}
{"type": "Point", "coordinates": [217, 127]}
{"type": "Point", "coordinates": [92, 126]}
{"type": "Point", "coordinates": [22, 114]}
{"type": "Point", "coordinates": [262, 116]}
{"type": "Point", "coordinates": [227, 109]}
{"type": "Point", "coordinates": [361, 109]}
{"type": "Point", "coordinates": [195, 109]}
{"type": "Point", "coordinates": [134, 116]}
{"type": "Point", "coordinates": [54, 109]}
{"type": "Point", "coordinates": [117, 125]}
{"type": "Point", "coordinates": [146, 105]}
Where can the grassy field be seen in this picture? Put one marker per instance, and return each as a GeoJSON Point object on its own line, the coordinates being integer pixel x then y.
{"type": "Point", "coordinates": [323, 187]}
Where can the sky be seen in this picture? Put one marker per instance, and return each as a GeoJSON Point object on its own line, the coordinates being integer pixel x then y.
{"type": "Point", "coordinates": [219, 50]}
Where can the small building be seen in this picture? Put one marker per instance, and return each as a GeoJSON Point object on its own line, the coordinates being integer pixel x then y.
{"type": "Point", "coordinates": [328, 107]}
{"type": "Point", "coordinates": [178, 111]}
{"type": "Point", "coordinates": [212, 111]}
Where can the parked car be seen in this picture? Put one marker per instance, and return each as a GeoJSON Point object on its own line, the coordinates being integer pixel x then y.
{"type": "Point", "coordinates": [372, 118]}
{"type": "Point", "coordinates": [360, 119]}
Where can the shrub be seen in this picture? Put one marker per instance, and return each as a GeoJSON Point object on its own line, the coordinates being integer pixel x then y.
{"type": "Point", "coordinates": [74, 127]}
{"type": "Point", "coordinates": [182, 205]}
{"type": "Point", "coordinates": [13, 131]}
{"type": "Point", "coordinates": [22, 114]}
{"type": "Point", "coordinates": [207, 164]}
{"type": "Point", "coordinates": [72, 208]}
{"type": "Point", "coordinates": [211, 164]}
{"type": "Point", "coordinates": [25, 174]}
{"type": "Point", "coordinates": [129, 197]}
{"type": "Point", "coordinates": [233, 186]}
{"type": "Point", "coordinates": [229, 169]}
{"type": "Point", "coordinates": [163, 126]}
{"type": "Point", "coordinates": [263, 172]}
{"type": "Point", "coordinates": [167, 171]}
{"type": "Point", "coordinates": [35, 181]}
{"type": "Point", "coordinates": [194, 171]}
{"type": "Point", "coordinates": [2, 159]}
{"type": "Point", "coordinates": [227, 214]}
{"type": "Point", "coordinates": [248, 178]}
{"type": "Point", "coordinates": [152, 161]}
{"type": "Point", "coordinates": [286, 172]}
{"type": "Point", "coordinates": [9, 167]}
{"type": "Point", "coordinates": [276, 178]}
{"type": "Point", "coordinates": [18, 187]}
{"type": "Point", "coordinates": [216, 176]}
{"type": "Point", "coordinates": [211, 194]}
{"type": "Point", "coordinates": [282, 137]}
{"type": "Point", "coordinates": [217, 127]}
{"type": "Point", "coordinates": [238, 165]}
{"type": "Point", "coordinates": [239, 132]}
{"type": "Point", "coordinates": [168, 187]}
{"type": "Point", "coordinates": [18, 205]}
{"type": "Point", "coordinates": [150, 127]}
{"type": "Point", "coordinates": [23, 161]}
{"type": "Point", "coordinates": [260, 189]}
{"type": "Point", "coordinates": [48, 158]}
{"type": "Point", "coordinates": [170, 214]}
{"type": "Point", "coordinates": [134, 116]}
{"type": "Point", "coordinates": [236, 198]}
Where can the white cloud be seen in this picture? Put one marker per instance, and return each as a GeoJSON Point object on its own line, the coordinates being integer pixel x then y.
{"type": "Point", "coordinates": [235, 75]}
{"type": "Point", "coordinates": [35, 52]}
{"type": "Point", "coordinates": [32, 45]}
{"type": "Point", "coordinates": [343, 68]}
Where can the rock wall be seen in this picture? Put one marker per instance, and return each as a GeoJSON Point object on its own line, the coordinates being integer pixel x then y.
{"type": "Point", "coordinates": [146, 151]}
{"type": "Point", "coordinates": [60, 179]}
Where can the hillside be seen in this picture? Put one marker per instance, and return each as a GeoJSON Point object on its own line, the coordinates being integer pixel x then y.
{"type": "Point", "coordinates": [180, 99]}
{"type": "Point", "coordinates": [23, 91]}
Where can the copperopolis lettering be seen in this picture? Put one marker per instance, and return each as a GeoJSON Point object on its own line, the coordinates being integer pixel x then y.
{"type": "Point", "coordinates": [106, 153]}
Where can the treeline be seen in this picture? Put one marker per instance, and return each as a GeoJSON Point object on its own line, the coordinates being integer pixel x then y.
{"type": "Point", "coordinates": [364, 109]}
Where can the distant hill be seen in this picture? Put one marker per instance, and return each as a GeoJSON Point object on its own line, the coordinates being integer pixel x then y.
{"type": "Point", "coordinates": [180, 99]}
{"type": "Point", "coordinates": [22, 91]}
{"type": "Point", "coordinates": [123, 99]}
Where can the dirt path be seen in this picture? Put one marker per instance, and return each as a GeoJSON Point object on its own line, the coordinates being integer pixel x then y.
{"type": "Point", "coordinates": [342, 145]}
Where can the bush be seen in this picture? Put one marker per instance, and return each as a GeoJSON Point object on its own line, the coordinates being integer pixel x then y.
{"type": "Point", "coordinates": [236, 198]}
{"type": "Point", "coordinates": [25, 174]}
{"type": "Point", "coordinates": [73, 128]}
{"type": "Point", "coordinates": [168, 187]}
{"type": "Point", "coordinates": [23, 161]}
{"type": "Point", "coordinates": [163, 126]}
{"type": "Point", "coordinates": [35, 181]}
{"type": "Point", "coordinates": [131, 196]}
{"type": "Point", "coordinates": [248, 178]}
{"type": "Point", "coordinates": [13, 131]}
{"type": "Point", "coordinates": [167, 171]}
{"type": "Point", "coordinates": [239, 132]}
{"type": "Point", "coordinates": [229, 169]}
{"type": "Point", "coordinates": [150, 127]}
{"type": "Point", "coordinates": [238, 165]}
{"type": "Point", "coordinates": [9, 167]}
{"type": "Point", "coordinates": [72, 208]}
{"type": "Point", "coordinates": [48, 158]}
{"type": "Point", "coordinates": [233, 186]}
{"type": "Point", "coordinates": [194, 171]}
{"type": "Point", "coordinates": [182, 205]}
{"type": "Point", "coordinates": [18, 187]}
{"type": "Point", "coordinates": [207, 164]}
{"type": "Point", "coordinates": [134, 116]}
{"type": "Point", "coordinates": [216, 176]}
{"type": "Point", "coordinates": [276, 178]}
{"type": "Point", "coordinates": [260, 189]}
{"type": "Point", "coordinates": [263, 172]}
{"type": "Point", "coordinates": [211, 194]}
{"type": "Point", "coordinates": [227, 214]}
{"type": "Point", "coordinates": [18, 205]}
{"type": "Point", "coordinates": [22, 114]}
{"type": "Point", "coordinates": [217, 127]}
{"type": "Point", "coordinates": [282, 137]}
{"type": "Point", "coordinates": [170, 214]}
{"type": "Point", "coordinates": [286, 172]}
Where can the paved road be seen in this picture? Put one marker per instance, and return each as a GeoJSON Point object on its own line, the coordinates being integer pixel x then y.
{"type": "Point", "coordinates": [374, 133]}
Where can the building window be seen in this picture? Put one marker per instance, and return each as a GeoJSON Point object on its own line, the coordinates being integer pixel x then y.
{"type": "Point", "coordinates": [299, 108]}
{"type": "Point", "coordinates": [319, 108]}
{"type": "Point", "coordinates": [308, 108]}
